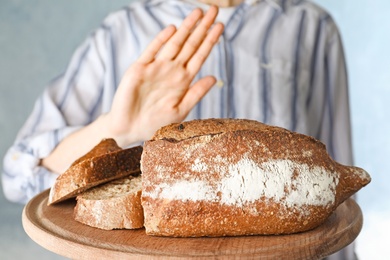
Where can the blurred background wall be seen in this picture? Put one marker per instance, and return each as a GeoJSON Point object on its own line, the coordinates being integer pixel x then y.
{"type": "Point", "coordinates": [37, 38]}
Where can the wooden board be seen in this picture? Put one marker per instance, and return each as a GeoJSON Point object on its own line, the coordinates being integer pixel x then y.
{"type": "Point", "coordinates": [54, 228]}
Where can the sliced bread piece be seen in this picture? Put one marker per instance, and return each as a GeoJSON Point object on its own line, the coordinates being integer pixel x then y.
{"type": "Point", "coordinates": [105, 162]}
{"type": "Point", "coordinates": [113, 205]}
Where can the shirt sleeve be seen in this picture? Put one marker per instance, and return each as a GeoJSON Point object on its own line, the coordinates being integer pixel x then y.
{"type": "Point", "coordinates": [339, 108]}
{"type": "Point", "coordinates": [68, 103]}
{"type": "Point", "coordinates": [330, 102]}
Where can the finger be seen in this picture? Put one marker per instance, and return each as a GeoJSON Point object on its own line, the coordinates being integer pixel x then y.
{"type": "Point", "coordinates": [198, 35]}
{"type": "Point", "coordinates": [200, 56]}
{"type": "Point", "coordinates": [196, 93]}
{"type": "Point", "coordinates": [174, 45]}
{"type": "Point", "coordinates": [157, 43]}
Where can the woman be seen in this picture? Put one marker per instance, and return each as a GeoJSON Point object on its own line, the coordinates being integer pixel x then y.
{"type": "Point", "coordinates": [280, 62]}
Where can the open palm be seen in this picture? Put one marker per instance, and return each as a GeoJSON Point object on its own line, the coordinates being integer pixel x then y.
{"type": "Point", "coordinates": [156, 90]}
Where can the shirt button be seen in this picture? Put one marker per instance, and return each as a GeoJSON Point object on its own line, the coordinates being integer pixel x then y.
{"type": "Point", "coordinates": [220, 83]}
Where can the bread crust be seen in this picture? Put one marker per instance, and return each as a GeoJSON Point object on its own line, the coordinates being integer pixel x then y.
{"type": "Point", "coordinates": [105, 162]}
{"type": "Point", "coordinates": [122, 209]}
{"type": "Point", "coordinates": [230, 177]}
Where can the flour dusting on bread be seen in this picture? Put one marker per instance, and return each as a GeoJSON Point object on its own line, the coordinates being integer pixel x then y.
{"type": "Point", "coordinates": [265, 179]}
{"type": "Point", "coordinates": [246, 182]}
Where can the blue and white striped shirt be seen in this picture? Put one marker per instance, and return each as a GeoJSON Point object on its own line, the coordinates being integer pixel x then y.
{"type": "Point", "coordinates": [278, 62]}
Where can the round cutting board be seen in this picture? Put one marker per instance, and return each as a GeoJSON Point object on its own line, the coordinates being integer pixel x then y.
{"type": "Point", "coordinates": [54, 228]}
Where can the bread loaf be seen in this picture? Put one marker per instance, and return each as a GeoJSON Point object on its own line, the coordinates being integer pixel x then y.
{"type": "Point", "coordinates": [113, 205]}
{"type": "Point", "coordinates": [230, 177]}
{"type": "Point", "coordinates": [105, 162]}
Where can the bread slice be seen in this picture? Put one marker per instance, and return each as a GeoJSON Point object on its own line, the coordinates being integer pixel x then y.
{"type": "Point", "coordinates": [105, 162]}
{"type": "Point", "coordinates": [113, 205]}
{"type": "Point", "coordinates": [231, 177]}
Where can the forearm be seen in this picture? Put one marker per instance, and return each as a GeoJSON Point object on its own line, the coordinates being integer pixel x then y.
{"type": "Point", "coordinates": [79, 143]}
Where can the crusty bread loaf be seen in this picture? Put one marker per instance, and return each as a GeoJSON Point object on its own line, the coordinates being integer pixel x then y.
{"type": "Point", "coordinates": [229, 177]}
{"type": "Point", "coordinates": [113, 205]}
{"type": "Point", "coordinates": [105, 162]}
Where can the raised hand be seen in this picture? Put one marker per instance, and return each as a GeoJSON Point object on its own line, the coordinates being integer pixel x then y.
{"type": "Point", "coordinates": [156, 90]}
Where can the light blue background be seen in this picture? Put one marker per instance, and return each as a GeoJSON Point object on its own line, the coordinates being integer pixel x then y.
{"type": "Point", "coordinates": [37, 38]}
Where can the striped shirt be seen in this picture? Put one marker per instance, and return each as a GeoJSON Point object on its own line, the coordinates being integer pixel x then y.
{"type": "Point", "coordinates": [280, 62]}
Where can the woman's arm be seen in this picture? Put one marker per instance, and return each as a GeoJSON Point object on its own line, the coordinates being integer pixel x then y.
{"type": "Point", "coordinates": [156, 90]}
